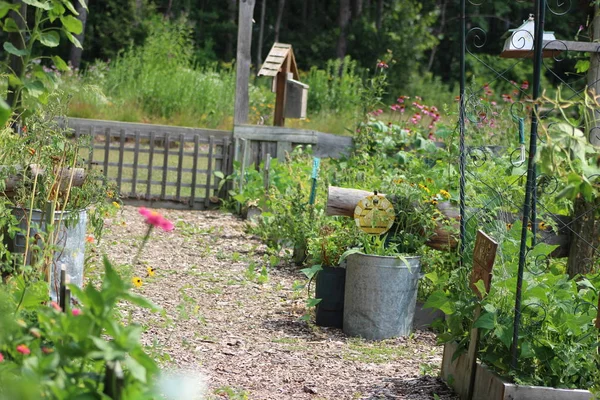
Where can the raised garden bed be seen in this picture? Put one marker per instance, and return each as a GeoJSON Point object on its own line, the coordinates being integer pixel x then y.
{"type": "Point", "coordinates": [490, 386]}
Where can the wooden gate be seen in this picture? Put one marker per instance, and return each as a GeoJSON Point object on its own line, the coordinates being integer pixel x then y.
{"type": "Point", "coordinates": [157, 165]}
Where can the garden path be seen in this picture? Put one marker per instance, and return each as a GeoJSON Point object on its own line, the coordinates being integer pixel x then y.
{"type": "Point", "coordinates": [223, 319]}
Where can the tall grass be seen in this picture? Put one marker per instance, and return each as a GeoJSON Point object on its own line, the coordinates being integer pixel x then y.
{"type": "Point", "coordinates": [159, 82]}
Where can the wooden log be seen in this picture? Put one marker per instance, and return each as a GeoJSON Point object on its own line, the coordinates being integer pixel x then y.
{"type": "Point", "coordinates": [342, 201]}
{"type": "Point", "coordinates": [63, 176]}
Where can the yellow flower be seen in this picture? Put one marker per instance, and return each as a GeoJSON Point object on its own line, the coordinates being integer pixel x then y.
{"type": "Point", "coordinates": [434, 202]}
{"type": "Point", "coordinates": [110, 194]}
{"type": "Point", "coordinates": [445, 193]}
{"type": "Point", "coordinates": [398, 181]}
{"type": "Point", "coordinates": [508, 226]}
{"type": "Point", "coordinates": [116, 205]}
{"type": "Point", "coordinates": [137, 281]}
{"type": "Point", "coordinates": [150, 271]}
{"type": "Point", "coordinates": [542, 226]}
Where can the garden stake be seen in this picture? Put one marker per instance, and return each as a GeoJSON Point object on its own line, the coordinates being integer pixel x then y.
{"type": "Point", "coordinates": [67, 297]}
{"type": "Point", "coordinates": [529, 203]}
{"type": "Point", "coordinates": [484, 255]}
{"type": "Point", "coordinates": [266, 173]}
{"type": "Point", "coordinates": [522, 140]}
{"type": "Point", "coordinates": [462, 163]}
{"type": "Point", "coordinates": [63, 287]}
{"type": "Point", "coordinates": [315, 173]}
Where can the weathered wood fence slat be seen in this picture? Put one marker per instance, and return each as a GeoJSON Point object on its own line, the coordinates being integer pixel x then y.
{"type": "Point", "coordinates": [169, 166]}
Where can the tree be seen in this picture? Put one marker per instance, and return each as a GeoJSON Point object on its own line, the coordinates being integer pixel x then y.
{"type": "Point", "coordinates": [75, 53]}
{"type": "Point", "coordinates": [263, 9]}
{"type": "Point", "coordinates": [280, 10]}
{"type": "Point", "coordinates": [343, 21]}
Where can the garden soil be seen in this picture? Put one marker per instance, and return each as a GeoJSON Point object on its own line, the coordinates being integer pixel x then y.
{"type": "Point", "coordinates": [239, 331]}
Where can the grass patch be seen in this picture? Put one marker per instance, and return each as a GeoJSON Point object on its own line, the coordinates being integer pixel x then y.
{"type": "Point", "coordinates": [373, 352]}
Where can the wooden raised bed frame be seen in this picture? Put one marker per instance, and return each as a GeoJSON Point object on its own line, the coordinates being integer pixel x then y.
{"type": "Point", "coordinates": [489, 386]}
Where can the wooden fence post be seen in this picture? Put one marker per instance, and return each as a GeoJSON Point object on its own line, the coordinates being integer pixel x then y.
{"type": "Point", "coordinates": [242, 68]}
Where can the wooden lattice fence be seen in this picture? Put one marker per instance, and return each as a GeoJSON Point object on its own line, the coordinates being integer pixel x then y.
{"type": "Point", "coordinates": [162, 165]}
{"type": "Point", "coordinates": [173, 167]}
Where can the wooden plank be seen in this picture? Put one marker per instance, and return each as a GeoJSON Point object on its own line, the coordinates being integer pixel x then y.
{"type": "Point", "coordinates": [91, 150]}
{"type": "Point", "coordinates": [281, 89]}
{"type": "Point", "coordinates": [163, 190]}
{"type": "Point", "coordinates": [454, 372]}
{"type": "Point", "coordinates": [210, 172]}
{"type": "Point", "coordinates": [146, 129]}
{"type": "Point", "coordinates": [279, 51]}
{"type": "Point", "coordinates": [541, 393]}
{"type": "Point", "coordinates": [269, 72]}
{"type": "Point", "coordinates": [194, 171]}
{"type": "Point", "coordinates": [185, 153]}
{"type": "Point", "coordinates": [106, 151]}
{"type": "Point", "coordinates": [120, 166]}
{"type": "Point", "coordinates": [275, 134]}
{"type": "Point", "coordinates": [246, 10]}
{"type": "Point", "coordinates": [330, 145]}
{"type": "Point", "coordinates": [171, 184]}
{"type": "Point", "coordinates": [283, 147]}
{"type": "Point", "coordinates": [570, 45]}
{"type": "Point", "coordinates": [157, 203]}
{"type": "Point", "coordinates": [227, 165]}
{"type": "Point", "coordinates": [136, 153]}
{"type": "Point", "coordinates": [489, 386]}
{"type": "Point", "coordinates": [150, 162]}
{"type": "Point", "coordinates": [244, 144]}
{"type": "Point", "coordinates": [266, 173]}
{"type": "Point", "coordinates": [180, 166]}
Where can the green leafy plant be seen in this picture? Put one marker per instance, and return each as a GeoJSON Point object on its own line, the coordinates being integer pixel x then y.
{"type": "Point", "coordinates": [50, 353]}
{"type": "Point", "coordinates": [30, 82]}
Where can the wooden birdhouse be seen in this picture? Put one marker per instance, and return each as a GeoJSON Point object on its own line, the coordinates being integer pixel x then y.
{"type": "Point", "coordinates": [291, 95]}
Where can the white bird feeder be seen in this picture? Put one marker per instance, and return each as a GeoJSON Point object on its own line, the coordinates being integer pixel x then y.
{"type": "Point", "coordinates": [520, 42]}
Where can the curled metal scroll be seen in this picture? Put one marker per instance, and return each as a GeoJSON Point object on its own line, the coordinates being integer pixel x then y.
{"type": "Point", "coordinates": [517, 110]}
{"type": "Point", "coordinates": [475, 110]}
{"type": "Point", "coordinates": [558, 55]}
{"type": "Point", "coordinates": [536, 313]}
{"type": "Point", "coordinates": [477, 156]}
{"type": "Point", "coordinates": [522, 39]}
{"type": "Point", "coordinates": [515, 158]}
{"type": "Point", "coordinates": [476, 39]}
{"type": "Point", "coordinates": [546, 184]}
{"type": "Point", "coordinates": [594, 135]}
{"type": "Point", "coordinates": [559, 7]}
{"type": "Point", "coordinates": [537, 265]}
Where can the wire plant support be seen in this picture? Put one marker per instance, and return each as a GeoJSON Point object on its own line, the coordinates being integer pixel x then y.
{"type": "Point", "coordinates": [523, 196]}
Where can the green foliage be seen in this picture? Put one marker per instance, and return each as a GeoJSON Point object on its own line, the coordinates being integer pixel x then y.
{"type": "Point", "coordinates": [53, 354]}
{"type": "Point", "coordinates": [335, 88]}
{"type": "Point", "coordinates": [557, 334]}
{"type": "Point", "coordinates": [33, 82]}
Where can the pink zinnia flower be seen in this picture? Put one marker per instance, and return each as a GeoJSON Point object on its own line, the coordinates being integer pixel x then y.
{"type": "Point", "coordinates": [23, 349]}
{"type": "Point", "coordinates": [525, 85]}
{"type": "Point", "coordinates": [75, 312]}
{"type": "Point", "coordinates": [155, 219]}
{"type": "Point", "coordinates": [1, 357]}
{"type": "Point", "coordinates": [55, 306]}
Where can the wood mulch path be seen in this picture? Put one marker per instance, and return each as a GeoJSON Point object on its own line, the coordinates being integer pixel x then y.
{"type": "Point", "coordinates": [239, 331]}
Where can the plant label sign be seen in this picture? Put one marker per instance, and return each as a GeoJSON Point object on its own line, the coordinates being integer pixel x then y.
{"type": "Point", "coordinates": [374, 214]}
{"type": "Point", "coordinates": [484, 255]}
{"type": "Point", "coordinates": [598, 316]}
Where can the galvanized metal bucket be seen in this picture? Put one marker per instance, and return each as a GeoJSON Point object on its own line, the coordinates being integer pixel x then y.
{"type": "Point", "coordinates": [70, 242]}
{"type": "Point", "coordinates": [380, 296]}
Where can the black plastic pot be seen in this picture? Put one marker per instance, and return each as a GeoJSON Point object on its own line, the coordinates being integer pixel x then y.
{"type": "Point", "coordinates": [330, 286]}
